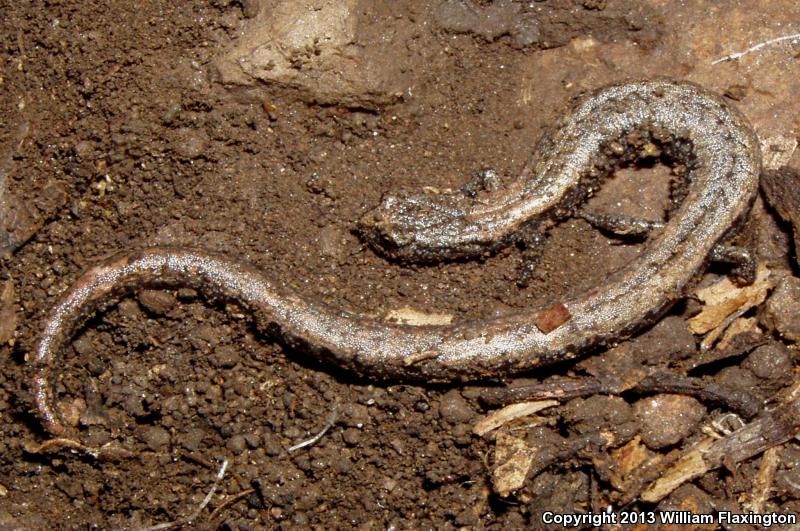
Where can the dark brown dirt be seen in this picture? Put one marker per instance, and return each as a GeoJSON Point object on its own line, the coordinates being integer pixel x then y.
{"type": "Point", "coordinates": [116, 134]}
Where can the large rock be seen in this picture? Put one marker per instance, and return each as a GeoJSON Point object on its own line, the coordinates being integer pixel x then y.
{"type": "Point", "coordinates": [312, 45]}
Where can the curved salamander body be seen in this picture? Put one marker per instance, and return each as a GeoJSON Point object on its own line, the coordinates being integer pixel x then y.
{"type": "Point", "coordinates": [697, 128]}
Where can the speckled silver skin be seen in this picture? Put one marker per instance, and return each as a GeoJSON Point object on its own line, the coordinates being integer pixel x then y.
{"type": "Point", "coordinates": [720, 149]}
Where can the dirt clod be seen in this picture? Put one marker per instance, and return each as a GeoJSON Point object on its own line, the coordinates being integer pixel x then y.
{"type": "Point", "coordinates": [783, 307]}
{"type": "Point", "coordinates": [610, 416]}
{"type": "Point", "coordinates": [667, 419]}
{"type": "Point", "coordinates": [156, 301]}
{"type": "Point", "coordinates": [454, 409]}
{"type": "Point", "coordinates": [155, 437]}
{"type": "Point", "coordinates": [772, 363]}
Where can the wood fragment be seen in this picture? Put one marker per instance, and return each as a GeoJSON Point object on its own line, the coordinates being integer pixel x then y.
{"type": "Point", "coordinates": [8, 315]}
{"type": "Point", "coordinates": [514, 458]}
{"type": "Point", "coordinates": [737, 345]}
{"type": "Point", "coordinates": [559, 389]}
{"type": "Point", "coordinates": [108, 452]}
{"type": "Point", "coordinates": [725, 301]}
{"type": "Point", "coordinates": [654, 381]}
{"type": "Point", "coordinates": [510, 413]}
{"type": "Point", "coordinates": [762, 486]}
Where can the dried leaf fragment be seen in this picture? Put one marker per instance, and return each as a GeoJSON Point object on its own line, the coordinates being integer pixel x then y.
{"type": "Point", "coordinates": [724, 301]}
{"type": "Point", "coordinates": [410, 316]}
{"type": "Point", "coordinates": [514, 458]}
{"type": "Point", "coordinates": [510, 413]}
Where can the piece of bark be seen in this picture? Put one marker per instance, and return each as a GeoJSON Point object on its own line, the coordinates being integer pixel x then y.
{"type": "Point", "coordinates": [781, 189]}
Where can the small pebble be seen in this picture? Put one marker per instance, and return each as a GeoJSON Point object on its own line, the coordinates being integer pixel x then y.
{"type": "Point", "coordinates": [740, 378]}
{"type": "Point", "coordinates": [91, 489]}
{"type": "Point", "coordinates": [783, 308]}
{"type": "Point", "coordinates": [129, 310]}
{"type": "Point", "coordinates": [156, 301]}
{"type": "Point", "coordinates": [332, 243]}
{"type": "Point", "coordinates": [454, 409]}
{"type": "Point", "coordinates": [83, 149]}
{"type": "Point", "coordinates": [205, 335]}
{"type": "Point", "coordinates": [787, 481]}
{"type": "Point", "coordinates": [355, 415]}
{"type": "Point", "coordinates": [467, 518]}
{"type": "Point", "coordinates": [736, 92]}
{"type": "Point", "coordinates": [189, 143]}
{"type": "Point", "coordinates": [351, 436]}
{"type": "Point", "coordinates": [7, 521]}
{"type": "Point", "coordinates": [172, 112]}
{"type": "Point", "coordinates": [462, 435]}
{"type": "Point", "coordinates": [669, 339]}
{"type": "Point", "coordinates": [609, 415]}
{"type": "Point", "coordinates": [191, 439]}
{"type": "Point", "coordinates": [272, 446]}
{"type": "Point", "coordinates": [69, 487]}
{"type": "Point", "coordinates": [155, 437]}
{"type": "Point", "coordinates": [342, 464]}
{"type": "Point", "coordinates": [688, 497]}
{"type": "Point", "coordinates": [225, 357]}
{"type": "Point", "coordinates": [18, 222]}
{"type": "Point", "coordinates": [421, 406]}
{"type": "Point", "coordinates": [187, 294]}
{"type": "Point", "coordinates": [667, 419]}
{"type": "Point", "coordinates": [772, 361]}
{"type": "Point", "coordinates": [253, 440]}
{"type": "Point", "coordinates": [250, 8]}
{"type": "Point", "coordinates": [236, 444]}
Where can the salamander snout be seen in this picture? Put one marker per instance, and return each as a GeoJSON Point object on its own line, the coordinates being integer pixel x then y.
{"type": "Point", "coordinates": [410, 226]}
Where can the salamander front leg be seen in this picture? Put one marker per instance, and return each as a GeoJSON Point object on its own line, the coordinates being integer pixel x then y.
{"type": "Point", "coordinates": [743, 273]}
{"type": "Point", "coordinates": [621, 226]}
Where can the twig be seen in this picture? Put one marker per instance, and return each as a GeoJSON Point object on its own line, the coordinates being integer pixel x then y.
{"type": "Point", "coordinates": [732, 398]}
{"type": "Point", "coordinates": [308, 442]}
{"type": "Point", "coordinates": [230, 501]}
{"type": "Point", "coordinates": [196, 513]}
{"type": "Point", "coordinates": [763, 483]}
{"type": "Point", "coordinates": [195, 457]}
{"type": "Point", "coordinates": [657, 381]}
{"type": "Point", "coordinates": [737, 55]}
{"type": "Point", "coordinates": [108, 451]}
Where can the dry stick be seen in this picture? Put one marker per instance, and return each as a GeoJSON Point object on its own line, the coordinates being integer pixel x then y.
{"type": "Point", "coordinates": [737, 55]}
{"type": "Point", "coordinates": [109, 451]}
{"type": "Point", "coordinates": [764, 480]}
{"type": "Point", "coordinates": [230, 501]}
{"type": "Point", "coordinates": [733, 398]}
{"type": "Point", "coordinates": [658, 381]}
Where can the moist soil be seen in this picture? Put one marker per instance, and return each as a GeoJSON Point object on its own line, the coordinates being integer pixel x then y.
{"type": "Point", "coordinates": [118, 133]}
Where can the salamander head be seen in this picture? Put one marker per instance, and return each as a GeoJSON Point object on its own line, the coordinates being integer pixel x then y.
{"type": "Point", "coordinates": [413, 227]}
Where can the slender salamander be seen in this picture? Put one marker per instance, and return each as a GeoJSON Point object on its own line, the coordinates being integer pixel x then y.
{"type": "Point", "coordinates": [696, 129]}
